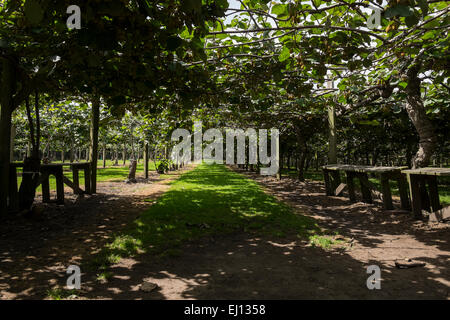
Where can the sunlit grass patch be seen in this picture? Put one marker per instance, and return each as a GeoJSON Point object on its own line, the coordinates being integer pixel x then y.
{"type": "Point", "coordinates": [208, 200]}
{"type": "Point", "coordinates": [104, 276]}
{"type": "Point", "coordinates": [324, 241]}
{"type": "Point", "coordinates": [60, 293]}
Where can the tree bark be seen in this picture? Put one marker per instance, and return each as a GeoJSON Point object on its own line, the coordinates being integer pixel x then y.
{"type": "Point", "coordinates": [124, 154]}
{"type": "Point", "coordinates": [93, 152]}
{"type": "Point", "coordinates": [32, 164]}
{"type": "Point", "coordinates": [13, 136]}
{"type": "Point", "coordinates": [417, 114]}
{"type": "Point", "coordinates": [132, 172]}
{"type": "Point", "coordinates": [104, 156]}
{"type": "Point", "coordinates": [7, 88]}
{"type": "Point", "coordinates": [146, 158]}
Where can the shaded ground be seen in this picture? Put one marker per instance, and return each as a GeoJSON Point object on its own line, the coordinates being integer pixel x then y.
{"type": "Point", "coordinates": [36, 251]}
{"type": "Point", "coordinates": [236, 266]}
{"type": "Point", "coordinates": [376, 236]}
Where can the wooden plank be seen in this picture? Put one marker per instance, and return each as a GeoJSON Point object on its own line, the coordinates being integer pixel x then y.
{"type": "Point", "coordinates": [386, 191]}
{"type": "Point", "coordinates": [76, 179]}
{"type": "Point", "coordinates": [87, 180]}
{"type": "Point", "coordinates": [362, 169]}
{"type": "Point", "coordinates": [414, 189]}
{"type": "Point", "coordinates": [403, 191]}
{"type": "Point", "coordinates": [425, 199]}
{"type": "Point", "coordinates": [335, 181]}
{"type": "Point", "coordinates": [340, 188]}
{"type": "Point", "coordinates": [431, 171]}
{"type": "Point", "coordinates": [440, 215]}
{"type": "Point", "coordinates": [45, 188]}
{"type": "Point", "coordinates": [76, 189]}
{"type": "Point", "coordinates": [326, 179]}
{"type": "Point", "coordinates": [351, 186]}
{"type": "Point", "coordinates": [59, 185]}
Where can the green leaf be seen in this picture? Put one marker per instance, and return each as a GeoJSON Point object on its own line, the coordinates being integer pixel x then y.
{"type": "Point", "coordinates": [280, 10]}
{"type": "Point", "coordinates": [403, 84]}
{"type": "Point", "coordinates": [399, 10]}
{"type": "Point", "coordinates": [285, 53]}
{"type": "Point", "coordinates": [370, 122]}
{"type": "Point", "coordinates": [118, 100]}
{"type": "Point", "coordinates": [411, 21]}
{"type": "Point", "coordinates": [423, 6]}
{"type": "Point", "coordinates": [173, 43]}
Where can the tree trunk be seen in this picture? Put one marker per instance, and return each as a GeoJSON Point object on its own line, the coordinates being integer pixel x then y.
{"type": "Point", "coordinates": [301, 167]}
{"type": "Point", "coordinates": [124, 154]}
{"type": "Point", "coordinates": [7, 88]}
{"type": "Point", "coordinates": [332, 138]}
{"type": "Point", "coordinates": [116, 157]}
{"type": "Point", "coordinates": [13, 136]}
{"type": "Point", "coordinates": [32, 164]}
{"type": "Point", "coordinates": [417, 114]}
{"type": "Point", "coordinates": [104, 156]}
{"type": "Point", "coordinates": [132, 172]}
{"type": "Point", "coordinates": [146, 157]}
{"type": "Point", "coordinates": [93, 152]}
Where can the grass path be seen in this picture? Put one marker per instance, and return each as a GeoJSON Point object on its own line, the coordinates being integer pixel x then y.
{"type": "Point", "coordinates": [210, 199]}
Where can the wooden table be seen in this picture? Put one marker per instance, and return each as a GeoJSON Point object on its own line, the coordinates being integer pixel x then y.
{"type": "Point", "coordinates": [333, 183]}
{"type": "Point", "coordinates": [45, 171]}
{"type": "Point", "coordinates": [421, 198]}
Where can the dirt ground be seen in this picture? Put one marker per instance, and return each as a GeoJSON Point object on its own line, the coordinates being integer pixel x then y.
{"type": "Point", "coordinates": [34, 254]}
{"type": "Point", "coordinates": [36, 250]}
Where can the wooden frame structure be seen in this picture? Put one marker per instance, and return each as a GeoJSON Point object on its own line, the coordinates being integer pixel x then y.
{"type": "Point", "coordinates": [334, 186]}
{"type": "Point", "coordinates": [421, 198]}
{"type": "Point", "coordinates": [45, 171]}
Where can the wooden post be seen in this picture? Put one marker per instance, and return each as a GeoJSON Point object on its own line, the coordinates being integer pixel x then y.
{"type": "Point", "coordinates": [326, 178]}
{"type": "Point", "coordinates": [87, 179]}
{"type": "Point", "coordinates": [59, 184]}
{"type": "Point", "coordinates": [45, 187]}
{"type": "Point", "coordinates": [351, 186]}
{"type": "Point", "coordinates": [335, 180]}
{"type": "Point", "coordinates": [403, 190]}
{"type": "Point", "coordinates": [386, 191]}
{"type": "Point", "coordinates": [76, 177]}
{"type": "Point", "coordinates": [414, 189]}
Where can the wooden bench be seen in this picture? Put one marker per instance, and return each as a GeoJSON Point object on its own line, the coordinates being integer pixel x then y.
{"type": "Point", "coordinates": [45, 171]}
{"type": "Point", "coordinates": [334, 186]}
{"type": "Point", "coordinates": [421, 198]}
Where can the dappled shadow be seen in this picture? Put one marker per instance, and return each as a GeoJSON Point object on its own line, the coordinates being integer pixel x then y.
{"type": "Point", "coordinates": [245, 266]}
{"type": "Point", "coordinates": [377, 234]}
{"type": "Point", "coordinates": [36, 250]}
{"type": "Point", "coordinates": [237, 264]}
